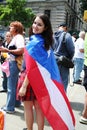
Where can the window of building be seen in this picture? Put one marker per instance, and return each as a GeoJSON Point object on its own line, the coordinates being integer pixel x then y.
{"type": "Point", "coordinates": [68, 1]}
{"type": "Point", "coordinates": [71, 3]}
{"type": "Point", "coordinates": [75, 3]}
{"type": "Point", "coordinates": [70, 21]}
{"type": "Point", "coordinates": [67, 17]}
{"type": "Point", "coordinates": [47, 12]}
{"type": "Point", "coordinates": [73, 22]}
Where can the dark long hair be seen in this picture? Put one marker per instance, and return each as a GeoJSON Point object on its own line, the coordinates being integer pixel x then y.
{"type": "Point", "coordinates": [47, 33]}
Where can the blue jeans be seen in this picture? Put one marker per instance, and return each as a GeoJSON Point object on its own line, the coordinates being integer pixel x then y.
{"type": "Point", "coordinates": [4, 82]}
{"type": "Point", "coordinates": [78, 67]}
{"type": "Point", "coordinates": [64, 73]}
{"type": "Point", "coordinates": [12, 84]}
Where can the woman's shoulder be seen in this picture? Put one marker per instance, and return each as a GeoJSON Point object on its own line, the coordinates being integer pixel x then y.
{"type": "Point", "coordinates": [19, 36]}
{"type": "Point", "coordinates": [36, 37]}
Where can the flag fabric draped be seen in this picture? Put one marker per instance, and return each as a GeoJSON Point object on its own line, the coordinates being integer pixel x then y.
{"type": "Point", "coordinates": [44, 77]}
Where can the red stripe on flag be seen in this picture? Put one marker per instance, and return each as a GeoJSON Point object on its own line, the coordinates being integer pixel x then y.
{"type": "Point", "coordinates": [41, 92]}
{"type": "Point", "coordinates": [44, 100]}
{"type": "Point", "coordinates": [59, 86]}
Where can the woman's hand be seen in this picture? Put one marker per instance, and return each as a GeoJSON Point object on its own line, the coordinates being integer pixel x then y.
{"type": "Point", "coordinates": [22, 91]}
{"type": "Point", "coordinates": [3, 49]}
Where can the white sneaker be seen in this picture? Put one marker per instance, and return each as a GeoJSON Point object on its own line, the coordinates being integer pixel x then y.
{"type": "Point", "coordinates": [83, 120]}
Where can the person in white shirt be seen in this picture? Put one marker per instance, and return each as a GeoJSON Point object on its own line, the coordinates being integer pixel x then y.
{"type": "Point", "coordinates": [78, 58]}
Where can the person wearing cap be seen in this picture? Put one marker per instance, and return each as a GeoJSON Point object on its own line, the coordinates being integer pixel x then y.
{"type": "Point", "coordinates": [67, 50]}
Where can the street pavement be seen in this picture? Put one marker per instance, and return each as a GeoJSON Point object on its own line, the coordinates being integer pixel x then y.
{"type": "Point", "coordinates": [16, 121]}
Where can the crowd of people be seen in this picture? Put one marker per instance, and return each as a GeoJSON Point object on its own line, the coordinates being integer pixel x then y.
{"type": "Point", "coordinates": [38, 57]}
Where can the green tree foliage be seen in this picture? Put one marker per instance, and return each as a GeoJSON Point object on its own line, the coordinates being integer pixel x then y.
{"type": "Point", "coordinates": [16, 10]}
{"type": "Point", "coordinates": [83, 4]}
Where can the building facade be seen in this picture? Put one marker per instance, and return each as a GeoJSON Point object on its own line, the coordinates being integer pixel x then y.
{"type": "Point", "coordinates": [66, 11]}
{"type": "Point", "coordinates": [59, 11]}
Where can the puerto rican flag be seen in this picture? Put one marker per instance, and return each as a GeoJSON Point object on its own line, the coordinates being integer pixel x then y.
{"type": "Point", "coordinates": [44, 77]}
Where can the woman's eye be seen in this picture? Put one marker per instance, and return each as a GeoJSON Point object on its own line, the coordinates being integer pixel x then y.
{"type": "Point", "coordinates": [38, 24]}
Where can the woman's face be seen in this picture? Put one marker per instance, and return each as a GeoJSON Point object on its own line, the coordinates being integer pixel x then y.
{"type": "Point", "coordinates": [38, 26]}
{"type": "Point", "coordinates": [8, 37]}
{"type": "Point", "coordinates": [12, 30]}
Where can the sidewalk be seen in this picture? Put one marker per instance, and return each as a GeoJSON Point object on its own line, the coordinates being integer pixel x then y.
{"type": "Point", "coordinates": [76, 96]}
{"type": "Point", "coordinates": [16, 121]}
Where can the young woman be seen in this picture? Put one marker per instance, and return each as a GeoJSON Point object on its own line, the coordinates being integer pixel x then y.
{"type": "Point", "coordinates": [41, 68]}
{"type": "Point", "coordinates": [40, 27]}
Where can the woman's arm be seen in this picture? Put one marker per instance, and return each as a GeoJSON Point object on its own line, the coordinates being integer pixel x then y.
{"type": "Point", "coordinates": [18, 51]}
{"type": "Point", "coordinates": [3, 49]}
{"type": "Point", "coordinates": [23, 88]}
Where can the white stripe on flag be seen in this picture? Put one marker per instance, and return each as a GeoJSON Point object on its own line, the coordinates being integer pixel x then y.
{"type": "Point", "coordinates": [57, 99]}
